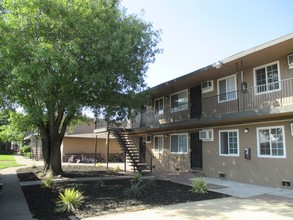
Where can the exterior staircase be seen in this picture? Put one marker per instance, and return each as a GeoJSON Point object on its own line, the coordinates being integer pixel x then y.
{"type": "Point", "coordinates": [139, 162]}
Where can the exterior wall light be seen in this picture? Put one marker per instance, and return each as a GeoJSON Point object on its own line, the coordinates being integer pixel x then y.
{"type": "Point", "coordinates": [246, 130]}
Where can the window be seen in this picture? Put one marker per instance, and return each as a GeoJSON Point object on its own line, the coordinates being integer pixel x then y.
{"type": "Point", "coordinates": [227, 88]}
{"type": "Point", "coordinates": [159, 106]}
{"type": "Point", "coordinates": [179, 101]}
{"type": "Point", "coordinates": [266, 78]}
{"type": "Point", "coordinates": [148, 139]}
{"type": "Point", "coordinates": [158, 143]}
{"type": "Point", "coordinates": [271, 142]}
{"type": "Point", "coordinates": [229, 143]}
{"type": "Point", "coordinates": [179, 143]}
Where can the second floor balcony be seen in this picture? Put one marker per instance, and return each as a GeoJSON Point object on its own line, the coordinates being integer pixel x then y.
{"type": "Point", "coordinates": [272, 98]}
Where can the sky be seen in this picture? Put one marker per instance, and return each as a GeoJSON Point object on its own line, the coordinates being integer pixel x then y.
{"type": "Point", "coordinates": [197, 33]}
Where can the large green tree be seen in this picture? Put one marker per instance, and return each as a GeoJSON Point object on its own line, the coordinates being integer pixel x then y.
{"type": "Point", "coordinates": [13, 126]}
{"type": "Point", "coordinates": [60, 56]}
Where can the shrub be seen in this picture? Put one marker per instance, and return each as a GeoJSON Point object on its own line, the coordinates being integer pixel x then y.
{"type": "Point", "coordinates": [49, 182]}
{"type": "Point", "coordinates": [199, 185]}
{"type": "Point", "coordinates": [26, 149]}
{"type": "Point", "coordinates": [136, 178]}
{"type": "Point", "coordinates": [98, 165]}
{"type": "Point", "coordinates": [136, 188]}
{"type": "Point", "coordinates": [117, 169]}
{"type": "Point", "coordinates": [100, 182]}
{"type": "Point", "coordinates": [69, 200]}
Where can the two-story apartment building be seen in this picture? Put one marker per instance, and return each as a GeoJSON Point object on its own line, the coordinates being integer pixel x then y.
{"type": "Point", "coordinates": [232, 119]}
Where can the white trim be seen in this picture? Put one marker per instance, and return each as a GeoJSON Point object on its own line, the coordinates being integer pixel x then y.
{"type": "Point", "coordinates": [290, 65]}
{"type": "Point", "coordinates": [238, 144]}
{"type": "Point", "coordinates": [158, 150]}
{"type": "Point", "coordinates": [265, 66]}
{"type": "Point", "coordinates": [218, 88]}
{"type": "Point", "coordinates": [155, 106]}
{"type": "Point", "coordinates": [291, 129]}
{"type": "Point", "coordinates": [284, 142]}
{"type": "Point", "coordinates": [178, 110]}
{"type": "Point", "coordinates": [148, 138]}
{"type": "Point", "coordinates": [177, 134]}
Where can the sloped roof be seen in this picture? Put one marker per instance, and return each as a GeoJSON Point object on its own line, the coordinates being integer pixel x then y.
{"type": "Point", "coordinates": [249, 58]}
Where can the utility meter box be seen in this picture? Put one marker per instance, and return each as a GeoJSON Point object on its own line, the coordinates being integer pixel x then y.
{"type": "Point", "coordinates": [247, 153]}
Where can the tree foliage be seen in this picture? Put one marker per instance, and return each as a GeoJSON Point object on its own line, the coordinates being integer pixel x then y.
{"type": "Point", "coordinates": [59, 56]}
{"type": "Point", "coordinates": [13, 126]}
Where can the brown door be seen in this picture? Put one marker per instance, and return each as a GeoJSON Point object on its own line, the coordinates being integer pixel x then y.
{"type": "Point", "coordinates": [196, 151]}
{"type": "Point", "coordinates": [195, 99]}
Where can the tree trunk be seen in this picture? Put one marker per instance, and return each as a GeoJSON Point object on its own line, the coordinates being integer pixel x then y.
{"type": "Point", "coordinates": [55, 158]}
{"type": "Point", "coordinates": [52, 138]}
{"type": "Point", "coordinates": [46, 150]}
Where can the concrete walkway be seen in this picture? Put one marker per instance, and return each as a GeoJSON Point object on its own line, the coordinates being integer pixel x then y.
{"type": "Point", "coordinates": [235, 189]}
{"type": "Point", "coordinates": [217, 209]}
{"type": "Point", "coordinates": [248, 201]}
{"type": "Point", "coordinates": [13, 205]}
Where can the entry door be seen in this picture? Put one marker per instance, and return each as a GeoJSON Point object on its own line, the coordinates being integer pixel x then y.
{"type": "Point", "coordinates": [195, 99]}
{"type": "Point", "coordinates": [196, 151]}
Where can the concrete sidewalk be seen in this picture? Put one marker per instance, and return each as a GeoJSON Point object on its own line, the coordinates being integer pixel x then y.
{"type": "Point", "coordinates": [217, 209]}
{"type": "Point", "coordinates": [235, 189]}
{"type": "Point", "coordinates": [13, 205]}
{"type": "Point", "coordinates": [248, 201]}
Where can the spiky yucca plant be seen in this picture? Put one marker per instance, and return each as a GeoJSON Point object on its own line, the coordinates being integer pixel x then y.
{"type": "Point", "coordinates": [199, 185]}
{"type": "Point", "coordinates": [49, 182]}
{"type": "Point", "coordinates": [70, 200]}
{"type": "Point", "coordinates": [136, 177]}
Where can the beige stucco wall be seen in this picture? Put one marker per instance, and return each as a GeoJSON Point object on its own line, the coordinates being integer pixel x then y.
{"type": "Point", "coordinates": [261, 171]}
{"type": "Point", "coordinates": [167, 161]}
{"type": "Point", "coordinates": [84, 127]}
{"type": "Point", "coordinates": [87, 145]}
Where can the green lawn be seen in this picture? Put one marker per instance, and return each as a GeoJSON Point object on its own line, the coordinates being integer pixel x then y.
{"type": "Point", "coordinates": [8, 161]}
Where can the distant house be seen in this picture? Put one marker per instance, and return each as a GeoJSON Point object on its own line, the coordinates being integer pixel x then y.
{"type": "Point", "coordinates": [81, 143]}
{"type": "Point", "coordinates": [230, 120]}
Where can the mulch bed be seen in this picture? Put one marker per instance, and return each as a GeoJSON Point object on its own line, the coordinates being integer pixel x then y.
{"type": "Point", "coordinates": [109, 197]}
{"type": "Point", "coordinates": [69, 171]}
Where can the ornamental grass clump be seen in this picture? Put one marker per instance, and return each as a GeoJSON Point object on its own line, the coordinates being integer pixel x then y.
{"type": "Point", "coordinates": [49, 182]}
{"type": "Point", "coordinates": [136, 178]}
{"type": "Point", "coordinates": [199, 185]}
{"type": "Point", "coordinates": [70, 200]}
{"type": "Point", "coordinates": [100, 183]}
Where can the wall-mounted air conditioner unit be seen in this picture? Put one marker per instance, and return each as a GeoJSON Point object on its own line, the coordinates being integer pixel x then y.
{"type": "Point", "coordinates": [290, 61]}
{"type": "Point", "coordinates": [206, 135]}
{"type": "Point", "coordinates": [207, 86]}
